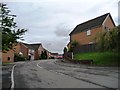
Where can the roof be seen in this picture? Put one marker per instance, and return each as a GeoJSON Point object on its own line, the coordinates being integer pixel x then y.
{"type": "Point", "coordinates": [35, 46]}
{"type": "Point", "coordinates": [32, 46]}
{"type": "Point", "coordinates": [98, 21]}
{"type": "Point", "coordinates": [54, 53]}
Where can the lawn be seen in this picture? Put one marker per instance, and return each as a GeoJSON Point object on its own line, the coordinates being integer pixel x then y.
{"type": "Point", "coordinates": [6, 63]}
{"type": "Point", "coordinates": [100, 58]}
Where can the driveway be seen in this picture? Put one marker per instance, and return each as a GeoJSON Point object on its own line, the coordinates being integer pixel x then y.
{"type": "Point", "coordinates": [48, 74]}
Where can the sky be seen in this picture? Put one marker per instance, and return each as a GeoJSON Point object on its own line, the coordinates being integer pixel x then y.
{"type": "Point", "coordinates": [50, 21]}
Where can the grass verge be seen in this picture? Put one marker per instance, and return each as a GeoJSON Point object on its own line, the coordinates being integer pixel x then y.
{"type": "Point", "coordinates": [100, 58]}
{"type": "Point", "coordinates": [6, 63]}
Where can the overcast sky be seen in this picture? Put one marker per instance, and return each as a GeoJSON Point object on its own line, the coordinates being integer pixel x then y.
{"type": "Point", "coordinates": [50, 21]}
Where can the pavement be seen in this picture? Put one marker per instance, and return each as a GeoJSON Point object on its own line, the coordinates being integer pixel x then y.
{"type": "Point", "coordinates": [6, 76]}
{"type": "Point", "coordinates": [57, 74]}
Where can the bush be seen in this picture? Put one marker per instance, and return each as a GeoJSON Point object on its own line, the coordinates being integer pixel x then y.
{"type": "Point", "coordinates": [18, 57]}
{"type": "Point", "coordinates": [109, 41]}
{"type": "Point", "coordinates": [43, 55]}
{"type": "Point", "coordinates": [51, 57]}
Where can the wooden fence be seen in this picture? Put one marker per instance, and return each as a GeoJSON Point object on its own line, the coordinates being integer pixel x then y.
{"type": "Point", "coordinates": [85, 48]}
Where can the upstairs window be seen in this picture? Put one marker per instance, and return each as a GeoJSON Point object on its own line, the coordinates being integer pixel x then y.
{"type": "Point", "coordinates": [88, 32]}
{"type": "Point", "coordinates": [106, 28]}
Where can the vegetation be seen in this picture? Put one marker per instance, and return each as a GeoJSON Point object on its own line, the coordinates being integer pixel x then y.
{"type": "Point", "coordinates": [73, 45]}
{"type": "Point", "coordinates": [65, 49]}
{"type": "Point", "coordinates": [6, 63]}
{"type": "Point", "coordinates": [8, 27]}
{"type": "Point", "coordinates": [100, 58]}
{"type": "Point", "coordinates": [109, 41]}
{"type": "Point", "coordinates": [19, 57]}
{"type": "Point", "coordinates": [43, 55]}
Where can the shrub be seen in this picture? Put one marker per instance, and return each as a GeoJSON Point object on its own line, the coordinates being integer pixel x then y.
{"type": "Point", "coordinates": [109, 41]}
{"type": "Point", "coordinates": [18, 57]}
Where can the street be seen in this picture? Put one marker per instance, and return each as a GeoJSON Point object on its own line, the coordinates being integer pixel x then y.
{"type": "Point", "coordinates": [48, 74]}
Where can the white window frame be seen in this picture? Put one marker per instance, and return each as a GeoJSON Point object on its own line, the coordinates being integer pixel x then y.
{"type": "Point", "coordinates": [106, 29]}
{"type": "Point", "coordinates": [88, 32]}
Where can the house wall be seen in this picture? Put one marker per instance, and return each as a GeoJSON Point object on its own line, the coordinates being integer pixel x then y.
{"type": "Point", "coordinates": [21, 48]}
{"type": "Point", "coordinates": [17, 48]}
{"type": "Point", "coordinates": [40, 49]}
{"type": "Point", "coordinates": [82, 37]}
{"type": "Point", "coordinates": [108, 23]}
{"type": "Point", "coordinates": [36, 55]}
{"type": "Point", "coordinates": [9, 54]}
{"type": "Point", "coordinates": [24, 50]}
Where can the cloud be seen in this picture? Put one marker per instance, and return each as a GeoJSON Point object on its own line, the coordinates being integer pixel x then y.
{"type": "Point", "coordinates": [62, 30]}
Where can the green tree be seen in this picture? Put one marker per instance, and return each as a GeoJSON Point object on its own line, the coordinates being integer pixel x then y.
{"type": "Point", "coordinates": [43, 55]}
{"type": "Point", "coordinates": [65, 50]}
{"type": "Point", "coordinates": [109, 41]}
{"type": "Point", "coordinates": [73, 45]}
{"type": "Point", "coordinates": [10, 34]}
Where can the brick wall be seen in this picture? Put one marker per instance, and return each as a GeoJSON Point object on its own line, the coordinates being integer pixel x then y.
{"type": "Point", "coordinates": [24, 50]}
{"type": "Point", "coordinates": [82, 37]}
{"type": "Point", "coordinates": [21, 48]}
{"type": "Point", "coordinates": [8, 56]}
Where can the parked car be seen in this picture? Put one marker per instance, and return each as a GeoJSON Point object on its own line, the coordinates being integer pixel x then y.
{"type": "Point", "coordinates": [60, 56]}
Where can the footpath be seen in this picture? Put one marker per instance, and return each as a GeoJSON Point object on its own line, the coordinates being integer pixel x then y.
{"type": "Point", "coordinates": [69, 64]}
{"type": "Point", "coordinates": [6, 76]}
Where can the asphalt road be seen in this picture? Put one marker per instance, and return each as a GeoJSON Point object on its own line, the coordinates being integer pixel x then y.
{"type": "Point", "coordinates": [47, 74]}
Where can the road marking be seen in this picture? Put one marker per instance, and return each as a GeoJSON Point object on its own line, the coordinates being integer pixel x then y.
{"type": "Point", "coordinates": [12, 77]}
{"type": "Point", "coordinates": [39, 66]}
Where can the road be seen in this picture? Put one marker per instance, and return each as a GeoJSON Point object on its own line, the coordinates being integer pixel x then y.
{"type": "Point", "coordinates": [48, 74]}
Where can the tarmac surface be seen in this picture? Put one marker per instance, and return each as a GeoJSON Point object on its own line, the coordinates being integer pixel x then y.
{"type": "Point", "coordinates": [57, 74]}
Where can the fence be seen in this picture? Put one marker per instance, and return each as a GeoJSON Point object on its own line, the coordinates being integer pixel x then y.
{"type": "Point", "coordinates": [85, 48]}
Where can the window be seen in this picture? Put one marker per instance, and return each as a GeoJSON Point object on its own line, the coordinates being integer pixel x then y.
{"type": "Point", "coordinates": [8, 58]}
{"type": "Point", "coordinates": [106, 28]}
{"type": "Point", "coordinates": [88, 32]}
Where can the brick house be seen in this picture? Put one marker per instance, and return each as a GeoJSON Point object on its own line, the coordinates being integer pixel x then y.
{"type": "Point", "coordinates": [85, 33]}
{"type": "Point", "coordinates": [7, 56]}
{"type": "Point", "coordinates": [20, 48]}
{"type": "Point", "coordinates": [33, 50]}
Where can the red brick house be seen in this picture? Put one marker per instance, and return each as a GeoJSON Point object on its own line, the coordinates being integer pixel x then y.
{"type": "Point", "coordinates": [33, 50]}
{"type": "Point", "coordinates": [20, 48]}
{"type": "Point", "coordinates": [85, 32]}
{"type": "Point", "coordinates": [7, 56]}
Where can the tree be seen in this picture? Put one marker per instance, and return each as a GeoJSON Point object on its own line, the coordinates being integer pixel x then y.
{"type": "Point", "coordinates": [10, 34]}
{"type": "Point", "coordinates": [73, 45]}
{"type": "Point", "coordinates": [43, 55]}
{"type": "Point", "coordinates": [109, 41]}
{"type": "Point", "coordinates": [65, 50]}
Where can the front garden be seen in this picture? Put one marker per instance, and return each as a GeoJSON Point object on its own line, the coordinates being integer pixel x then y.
{"type": "Point", "coordinates": [100, 58]}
